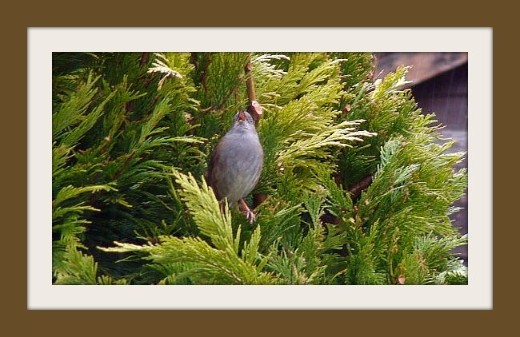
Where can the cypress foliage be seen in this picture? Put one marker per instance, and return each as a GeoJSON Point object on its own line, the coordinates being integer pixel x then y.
{"type": "Point", "coordinates": [358, 183]}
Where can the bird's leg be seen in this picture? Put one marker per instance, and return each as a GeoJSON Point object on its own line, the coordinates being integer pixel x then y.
{"type": "Point", "coordinates": [244, 209]}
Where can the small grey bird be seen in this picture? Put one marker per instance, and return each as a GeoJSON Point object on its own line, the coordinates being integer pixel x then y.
{"type": "Point", "coordinates": [236, 163]}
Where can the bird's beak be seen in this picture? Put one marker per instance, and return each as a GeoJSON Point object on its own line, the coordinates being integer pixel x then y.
{"type": "Point", "coordinates": [241, 116]}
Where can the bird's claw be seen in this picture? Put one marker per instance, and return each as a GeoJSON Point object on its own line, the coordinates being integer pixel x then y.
{"type": "Point", "coordinates": [244, 209]}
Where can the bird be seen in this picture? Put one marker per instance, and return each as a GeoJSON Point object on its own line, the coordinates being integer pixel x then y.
{"type": "Point", "coordinates": [236, 163]}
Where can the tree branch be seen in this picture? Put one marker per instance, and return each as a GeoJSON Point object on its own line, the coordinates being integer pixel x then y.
{"type": "Point", "coordinates": [356, 190]}
{"type": "Point", "coordinates": [253, 107]}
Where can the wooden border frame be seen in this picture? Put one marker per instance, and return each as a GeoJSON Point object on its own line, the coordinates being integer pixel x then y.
{"type": "Point", "coordinates": [20, 16]}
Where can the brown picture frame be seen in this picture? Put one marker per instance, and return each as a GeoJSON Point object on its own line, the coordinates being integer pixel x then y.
{"type": "Point", "coordinates": [99, 14]}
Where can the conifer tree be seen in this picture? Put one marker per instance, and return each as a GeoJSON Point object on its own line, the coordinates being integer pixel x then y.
{"type": "Point", "coordinates": [357, 185]}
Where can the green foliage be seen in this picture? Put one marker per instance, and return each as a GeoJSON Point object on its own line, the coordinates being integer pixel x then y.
{"type": "Point", "coordinates": [218, 261]}
{"type": "Point", "coordinates": [132, 134]}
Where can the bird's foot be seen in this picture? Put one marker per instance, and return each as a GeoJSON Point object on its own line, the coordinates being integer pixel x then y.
{"type": "Point", "coordinates": [244, 209]}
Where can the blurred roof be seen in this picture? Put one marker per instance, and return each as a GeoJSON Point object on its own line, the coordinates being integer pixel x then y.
{"type": "Point", "coordinates": [423, 66]}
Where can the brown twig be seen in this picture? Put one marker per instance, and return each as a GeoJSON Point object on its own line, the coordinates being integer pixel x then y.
{"type": "Point", "coordinates": [250, 83]}
{"type": "Point", "coordinates": [258, 199]}
{"type": "Point", "coordinates": [253, 107]}
{"type": "Point", "coordinates": [356, 190]}
{"type": "Point", "coordinates": [144, 59]}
